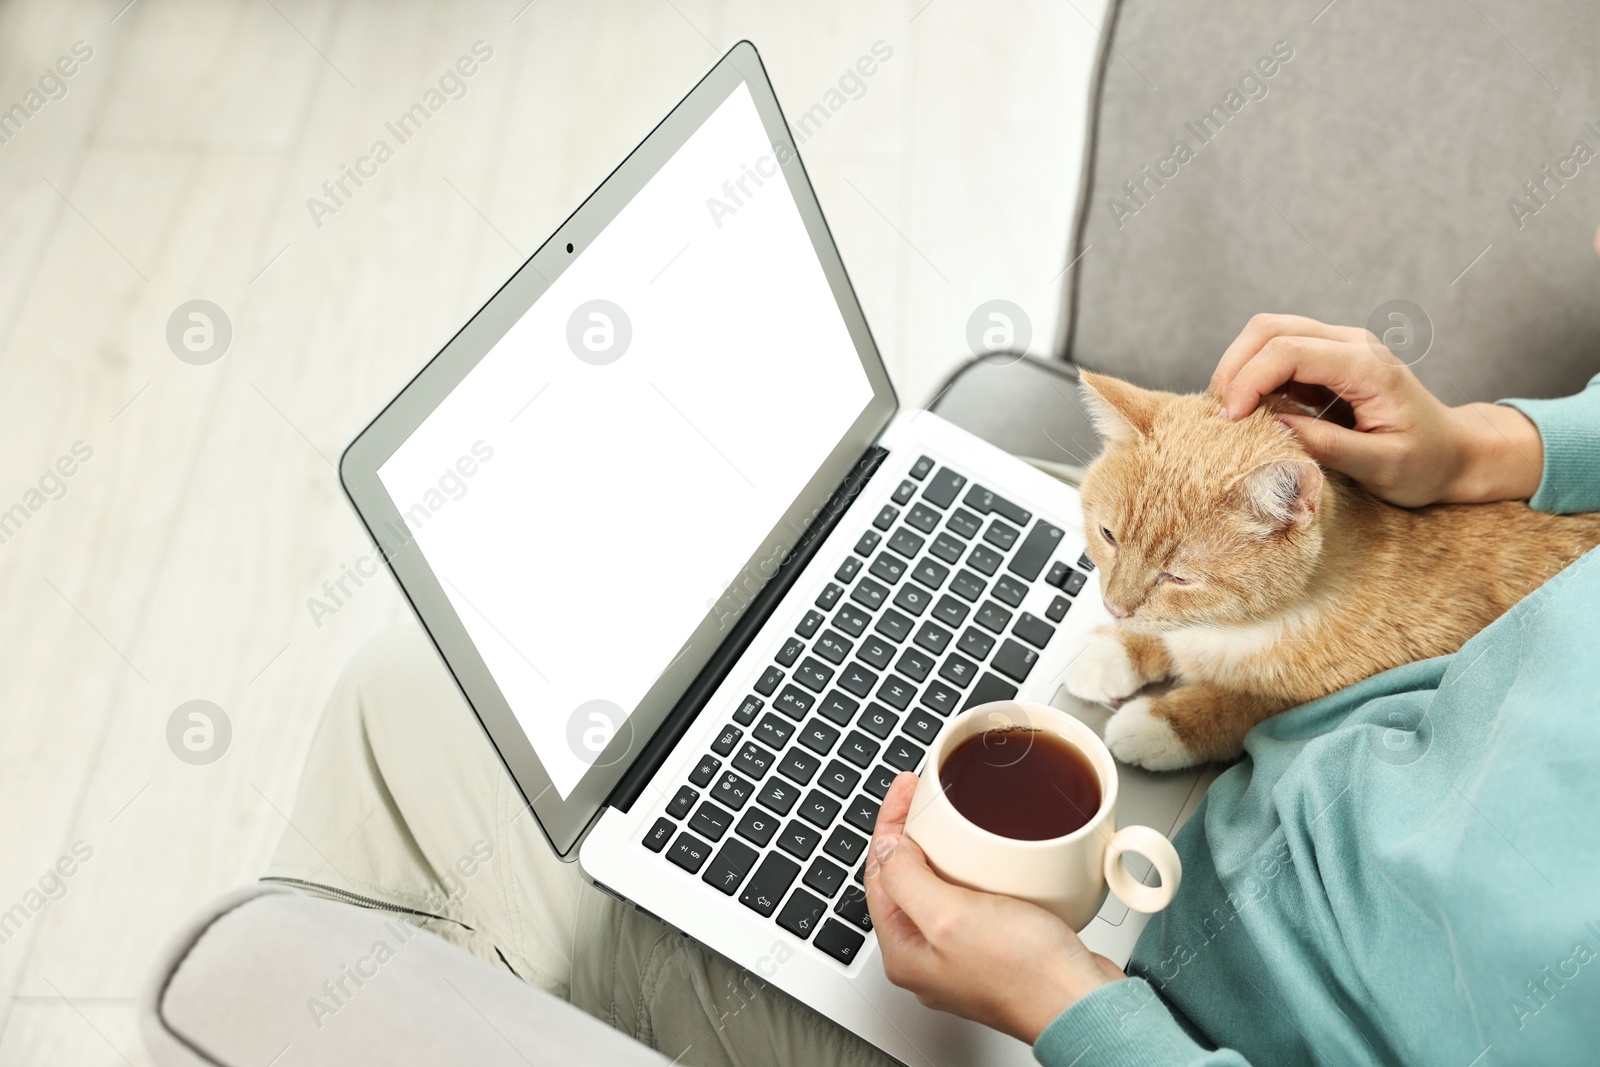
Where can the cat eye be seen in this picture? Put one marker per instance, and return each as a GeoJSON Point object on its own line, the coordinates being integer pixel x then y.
{"type": "Point", "coordinates": [1107, 535]}
{"type": "Point", "coordinates": [1173, 578]}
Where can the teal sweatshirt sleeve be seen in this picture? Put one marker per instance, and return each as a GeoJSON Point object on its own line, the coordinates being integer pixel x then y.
{"type": "Point", "coordinates": [1570, 429]}
{"type": "Point", "coordinates": [1124, 1024]}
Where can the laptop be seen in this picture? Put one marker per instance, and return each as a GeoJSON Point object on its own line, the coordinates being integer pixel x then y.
{"type": "Point", "coordinates": [703, 581]}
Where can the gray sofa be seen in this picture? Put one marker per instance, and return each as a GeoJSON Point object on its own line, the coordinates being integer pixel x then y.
{"type": "Point", "coordinates": [1380, 160]}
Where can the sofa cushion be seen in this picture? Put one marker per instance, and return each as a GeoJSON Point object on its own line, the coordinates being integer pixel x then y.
{"type": "Point", "coordinates": [1386, 157]}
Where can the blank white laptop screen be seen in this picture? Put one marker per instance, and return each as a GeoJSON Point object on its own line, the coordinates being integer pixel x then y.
{"type": "Point", "coordinates": [583, 509]}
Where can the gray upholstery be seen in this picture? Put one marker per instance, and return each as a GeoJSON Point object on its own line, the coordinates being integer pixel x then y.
{"type": "Point", "coordinates": [1385, 151]}
{"type": "Point", "coordinates": [255, 979]}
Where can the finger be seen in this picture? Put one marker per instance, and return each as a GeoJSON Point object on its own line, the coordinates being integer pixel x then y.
{"type": "Point", "coordinates": [918, 891]}
{"type": "Point", "coordinates": [1263, 328]}
{"type": "Point", "coordinates": [1350, 370]}
{"type": "Point", "coordinates": [1347, 451]}
{"type": "Point", "coordinates": [896, 805]}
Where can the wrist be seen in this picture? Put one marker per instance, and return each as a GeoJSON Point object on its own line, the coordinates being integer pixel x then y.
{"type": "Point", "coordinates": [1054, 994]}
{"type": "Point", "coordinates": [1499, 455]}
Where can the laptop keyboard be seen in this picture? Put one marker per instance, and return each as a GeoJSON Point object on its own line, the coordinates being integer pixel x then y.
{"type": "Point", "coordinates": [920, 621]}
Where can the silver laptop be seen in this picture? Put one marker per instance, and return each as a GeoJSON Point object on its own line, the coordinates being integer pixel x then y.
{"type": "Point", "coordinates": [706, 585]}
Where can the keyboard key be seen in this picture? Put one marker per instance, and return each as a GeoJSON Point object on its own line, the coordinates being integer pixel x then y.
{"type": "Point", "coordinates": [839, 941]}
{"type": "Point", "coordinates": [732, 863]}
{"type": "Point", "coordinates": [799, 766]}
{"type": "Point", "coordinates": [993, 617]}
{"type": "Point", "coordinates": [951, 611]}
{"type": "Point", "coordinates": [914, 665]}
{"type": "Point", "coordinates": [689, 852]}
{"type": "Point", "coordinates": [990, 687]}
{"type": "Point", "coordinates": [984, 559]}
{"type": "Point", "coordinates": [1057, 575]}
{"type": "Point", "coordinates": [753, 761]}
{"type": "Point", "coordinates": [902, 755]}
{"type": "Point", "coordinates": [930, 574]}
{"type": "Point", "coordinates": [710, 821]}
{"type": "Point", "coordinates": [1085, 563]}
{"type": "Point", "coordinates": [975, 643]}
{"type": "Point", "coordinates": [920, 469]}
{"type": "Point", "coordinates": [1035, 550]}
{"type": "Point", "coordinates": [794, 702]}
{"type": "Point", "coordinates": [790, 651]}
{"type": "Point", "coordinates": [704, 771]}
{"type": "Point", "coordinates": [862, 814]}
{"type": "Point", "coordinates": [769, 681]}
{"type": "Point", "coordinates": [906, 543]}
{"type": "Point", "coordinates": [757, 826]}
{"type": "Point", "coordinates": [1009, 591]}
{"type": "Point", "coordinates": [809, 624]}
{"type": "Point", "coordinates": [682, 802]}
{"type": "Point", "coordinates": [923, 518]}
{"type": "Point", "coordinates": [726, 740]}
{"type": "Point", "coordinates": [857, 679]}
{"type": "Point", "coordinates": [813, 674]}
{"type": "Point", "coordinates": [819, 809]}
{"type": "Point", "coordinates": [879, 781]}
{"type": "Point", "coordinates": [932, 637]}
{"type": "Point", "coordinates": [847, 570]}
{"type": "Point", "coordinates": [778, 795]}
{"type": "Point", "coordinates": [733, 790]}
{"type": "Point", "coordinates": [1074, 583]}
{"type": "Point", "coordinates": [886, 517]}
{"type": "Point", "coordinates": [825, 877]}
{"type": "Point", "coordinates": [852, 620]}
{"type": "Point", "coordinates": [837, 708]}
{"type": "Point", "coordinates": [1002, 535]}
{"type": "Point", "coordinates": [771, 882]}
{"type": "Point", "coordinates": [801, 914]}
{"type": "Point", "coordinates": [940, 697]}
{"type": "Point", "coordinates": [858, 748]}
{"type": "Point", "coordinates": [869, 594]}
{"type": "Point", "coordinates": [659, 835]}
{"type": "Point", "coordinates": [868, 543]}
{"type": "Point", "coordinates": [946, 485]}
{"type": "Point", "coordinates": [922, 725]}
{"type": "Point", "coordinates": [1014, 660]}
{"type": "Point", "coordinates": [964, 523]}
{"type": "Point", "coordinates": [1033, 630]}
{"type": "Point", "coordinates": [852, 908]}
{"type": "Point", "coordinates": [984, 502]}
{"type": "Point", "coordinates": [839, 779]}
{"type": "Point", "coordinates": [896, 692]}
{"type": "Point", "coordinates": [893, 625]}
{"type": "Point", "coordinates": [747, 710]}
{"type": "Point", "coordinates": [878, 721]}
{"type": "Point", "coordinates": [770, 731]}
{"type": "Point", "coordinates": [904, 493]}
{"type": "Point", "coordinates": [889, 567]}
{"type": "Point", "coordinates": [818, 736]}
{"type": "Point", "coordinates": [913, 599]}
{"type": "Point", "coordinates": [845, 846]}
{"type": "Point", "coordinates": [833, 647]}
{"type": "Point", "coordinates": [1057, 609]}
{"type": "Point", "coordinates": [829, 596]}
{"type": "Point", "coordinates": [799, 840]}
{"type": "Point", "coordinates": [958, 669]}
{"type": "Point", "coordinates": [876, 652]}
{"type": "Point", "coordinates": [947, 548]}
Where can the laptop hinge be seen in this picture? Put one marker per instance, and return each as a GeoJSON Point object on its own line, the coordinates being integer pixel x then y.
{"type": "Point", "coordinates": [742, 632]}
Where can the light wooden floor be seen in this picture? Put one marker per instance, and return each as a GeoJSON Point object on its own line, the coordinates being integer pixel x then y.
{"type": "Point", "coordinates": [178, 563]}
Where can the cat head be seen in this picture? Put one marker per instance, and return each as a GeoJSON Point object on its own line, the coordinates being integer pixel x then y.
{"type": "Point", "coordinates": [1191, 518]}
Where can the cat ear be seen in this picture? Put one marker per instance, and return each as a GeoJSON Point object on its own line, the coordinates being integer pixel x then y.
{"type": "Point", "coordinates": [1282, 493]}
{"type": "Point", "coordinates": [1121, 412]}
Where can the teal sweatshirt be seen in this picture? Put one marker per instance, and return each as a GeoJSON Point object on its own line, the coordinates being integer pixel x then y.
{"type": "Point", "coordinates": [1406, 871]}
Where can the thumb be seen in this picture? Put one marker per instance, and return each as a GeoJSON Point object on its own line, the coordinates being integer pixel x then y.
{"type": "Point", "coordinates": [1349, 452]}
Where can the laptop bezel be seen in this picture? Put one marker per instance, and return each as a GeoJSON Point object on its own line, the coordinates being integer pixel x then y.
{"type": "Point", "coordinates": [564, 821]}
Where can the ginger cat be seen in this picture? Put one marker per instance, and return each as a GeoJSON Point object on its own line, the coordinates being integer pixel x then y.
{"type": "Point", "coordinates": [1241, 572]}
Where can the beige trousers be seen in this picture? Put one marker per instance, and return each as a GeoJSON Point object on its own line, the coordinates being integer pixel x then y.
{"type": "Point", "coordinates": [404, 801]}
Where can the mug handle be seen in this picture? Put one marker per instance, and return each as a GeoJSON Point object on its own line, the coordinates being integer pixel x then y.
{"type": "Point", "coordinates": [1153, 846]}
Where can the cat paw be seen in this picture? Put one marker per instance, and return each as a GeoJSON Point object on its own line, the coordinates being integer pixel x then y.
{"type": "Point", "coordinates": [1135, 734]}
{"type": "Point", "coordinates": [1103, 672]}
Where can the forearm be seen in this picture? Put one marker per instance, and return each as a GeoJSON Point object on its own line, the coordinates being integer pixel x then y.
{"type": "Point", "coordinates": [1501, 455]}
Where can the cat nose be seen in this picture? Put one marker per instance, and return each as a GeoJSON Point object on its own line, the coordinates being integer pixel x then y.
{"type": "Point", "coordinates": [1117, 611]}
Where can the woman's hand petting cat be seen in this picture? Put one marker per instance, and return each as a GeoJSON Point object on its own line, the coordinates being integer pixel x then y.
{"type": "Point", "coordinates": [1406, 446]}
{"type": "Point", "coordinates": [996, 960]}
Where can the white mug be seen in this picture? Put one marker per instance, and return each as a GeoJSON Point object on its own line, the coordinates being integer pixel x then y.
{"type": "Point", "coordinates": [1066, 875]}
